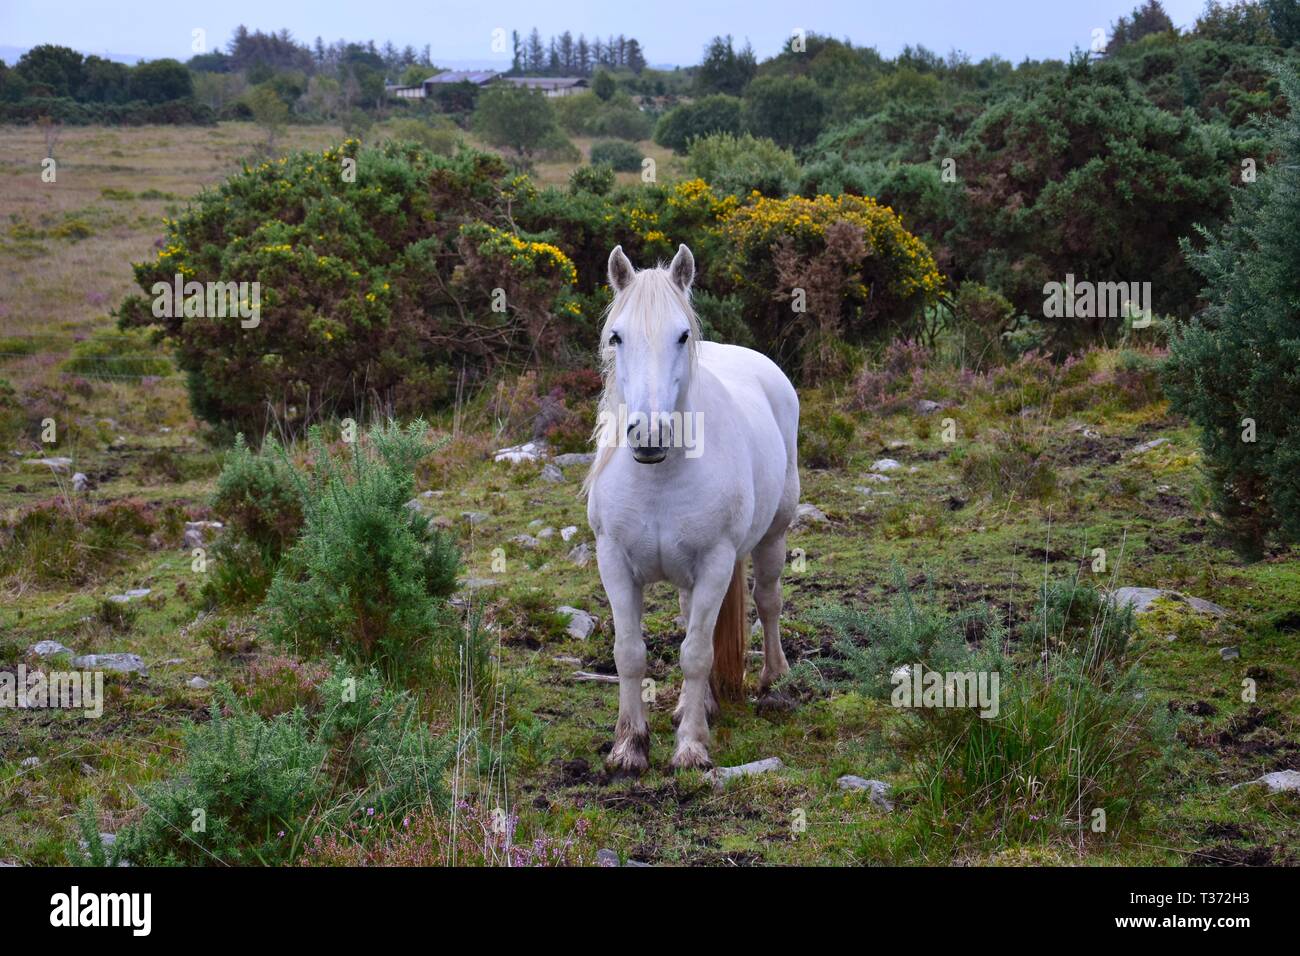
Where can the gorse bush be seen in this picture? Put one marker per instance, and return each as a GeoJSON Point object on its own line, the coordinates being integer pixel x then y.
{"type": "Point", "coordinates": [364, 283]}
{"type": "Point", "coordinates": [258, 497]}
{"type": "Point", "coordinates": [265, 786]}
{"type": "Point", "coordinates": [741, 165]}
{"type": "Point", "coordinates": [368, 577]}
{"type": "Point", "coordinates": [1232, 369]}
{"type": "Point", "coordinates": [717, 113]}
{"type": "Point", "coordinates": [383, 291]}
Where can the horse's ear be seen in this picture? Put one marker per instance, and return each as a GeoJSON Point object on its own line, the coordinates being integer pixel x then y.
{"type": "Point", "coordinates": [683, 268]}
{"type": "Point", "coordinates": [620, 270]}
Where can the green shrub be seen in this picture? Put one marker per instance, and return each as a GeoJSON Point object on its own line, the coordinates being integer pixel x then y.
{"type": "Point", "coordinates": [1232, 369]}
{"type": "Point", "coordinates": [1009, 462]}
{"type": "Point", "coordinates": [118, 354]}
{"type": "Point", "coordinates": [718, 113]}
{"type": "Point", "coordinates": [257, 497]}
{"type": "Point", "coordinates": [911, 631]}
{"type": "Point", "coordinates": [825, 437]}
{"type": "Point", "coordinates": [436, 134]}
{"type": "Point", "coordinates": [620, 155]}
{"type": "Point", "coordinates": [265, 786]}
{"type": "Point", "coordinates": [597, 180]}
{"type": "Point", "coordinates": [368, 577]}
{"type": "Point", "coordinates": [740, 165]}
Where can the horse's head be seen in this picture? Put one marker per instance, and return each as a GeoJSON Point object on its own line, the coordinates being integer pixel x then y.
{"type": "Point", "coordinates": [649, 346]}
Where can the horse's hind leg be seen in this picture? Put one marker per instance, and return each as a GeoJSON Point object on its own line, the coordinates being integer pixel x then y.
{"type": "Point", "coordinates": [631, 750]}
{"type": "Point", "coordinates": [769, 560]}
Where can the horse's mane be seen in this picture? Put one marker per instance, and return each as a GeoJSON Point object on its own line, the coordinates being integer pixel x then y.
{"type": "Point", "coordinates": [650, 295]}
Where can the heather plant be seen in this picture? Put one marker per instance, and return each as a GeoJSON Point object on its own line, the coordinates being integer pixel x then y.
{"type": "Point", "coordinates": [1232, 368]}
{"type": "Point", "coordinates": [368, 577]}
{"type": "Point", "coordinates": [73, 542]}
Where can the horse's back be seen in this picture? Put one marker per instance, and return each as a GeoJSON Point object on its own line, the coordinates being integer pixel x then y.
{"type": "Point", "coordinates": [754, 380]}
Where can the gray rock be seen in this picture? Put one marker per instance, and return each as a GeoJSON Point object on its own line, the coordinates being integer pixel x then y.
{"type": "Point", "coordinates": [719, 776]}
{"type": "Point", "coordinates": [546, 534]}
{"type": "Point", "coordinates": [525, 541]}
{"type": "Point", "coordinates": [1229, 653]}
{"type": "Point", "coordinates": [1149, 445]}
{"type": "Point", "coordinates": [927, 407]}
{"type": "Point", "coordinates": [130, 595]}
{"type": "Point", "coordinates": [80, 483]}
{"type": "Point", "coordinates": [474, 517]}
{"type": "Point", "coordinates": [878, 479]}
{"type": "Point", "coordinates": [121, 663]}
{"type": "Point", "coordinates": [528, 451]}
{"type": "Point", "coordinates": [197, 683]}
{"type": "Point", "coordinates": [607, 857]}
{"type": "Point", "coordinates": [44, 649]}
{"type": "Point", "coordinates": [476, 584]}
{"type": "Point", "coordinates": [551, 473]}
{"type": "Point", "coordinates": [1280, 780]}
{"type": "Point", "coordinates": [1141, 600]}
{"type": "Point", "coordinates": [877, 789]}
{"type": "Point", "coordinates": [581, 555]}
{"type": "Point", "coordinates": [885, 464]}
{"type": "Point", "coordinates": [536, 523]}
{"type": "Point", "coordinates": [55, 464]}
{"type": "Point", "coordinates": [30, 762]}
{"type": "Point", "coordinates": [567, 532]}
{"type": "Point", "coordinates": [581, 624]}
{"type": "Point", "coordinates": [807, 514]}
{"type": "Point", "coordinates": [570, 459]}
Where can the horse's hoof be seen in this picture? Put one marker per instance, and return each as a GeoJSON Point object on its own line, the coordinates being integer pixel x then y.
{"type": "Point", "coordinates": [630, 756]}
{"type": "Point", "coordinates": [691, 756]}
{"type": "Point", "coordinates": [767, 678]}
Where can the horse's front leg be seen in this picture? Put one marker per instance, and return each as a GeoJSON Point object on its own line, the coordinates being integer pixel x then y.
{"type": "Point", "coordinates": [631, 750]}
{"type": "Point", "coordinates": [710, 587]}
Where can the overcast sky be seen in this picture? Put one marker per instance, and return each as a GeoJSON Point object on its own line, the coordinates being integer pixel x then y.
{"type": "Point", "coordinates": [670, 31]}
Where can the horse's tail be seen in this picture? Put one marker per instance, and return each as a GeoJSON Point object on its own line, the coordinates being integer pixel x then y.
{"type": "Point", "coordinates": [728, 677]}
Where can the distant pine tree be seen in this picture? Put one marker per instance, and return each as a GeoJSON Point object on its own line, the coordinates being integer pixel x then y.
{"type": "Point", "coordinates": [1232, 369]}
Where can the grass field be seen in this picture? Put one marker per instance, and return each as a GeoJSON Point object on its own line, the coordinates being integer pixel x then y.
{"type": "Point", "coordinates": [940, 529]}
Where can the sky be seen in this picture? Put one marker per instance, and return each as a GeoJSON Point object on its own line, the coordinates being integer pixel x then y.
{"type": "Point", "coordinates": [459, 32]}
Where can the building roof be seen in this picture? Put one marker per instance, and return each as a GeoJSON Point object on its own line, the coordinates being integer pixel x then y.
{"type": "Point", "coordinates": [478, 77]}
{"type": "Point", "coordinates": [547, 82]}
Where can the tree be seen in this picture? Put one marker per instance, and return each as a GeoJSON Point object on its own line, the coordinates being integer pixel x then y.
{"type": "Point", "coordinates": [787, 110]}
{"type": "Point", "coordinates": [514, 117]}
{"type": "Point", "coordinates": [1144, 21]}
{"type": "Point", "coordinates": [1284, 18]}
{"type": "Point", "coordinates": [603, 85]}
{"type": "Point", "coordinates": [1232, 369]}
{"type": "Point", "coordinates": [709, 114]}
{"type": "Point", "coordinates": [58, 69]}
{"type": "Point", "coordinates": [269, 112]}
{"type": "Point", "coordinates": [723, 69]}
{"type": "Point", "coordinates": [159, 81]}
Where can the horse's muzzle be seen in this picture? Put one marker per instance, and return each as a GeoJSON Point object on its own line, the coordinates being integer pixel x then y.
{"type": "Point", "coordinates": [649, 455]}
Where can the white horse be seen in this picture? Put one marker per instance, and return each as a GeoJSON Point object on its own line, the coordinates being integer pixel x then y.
{"type": "Point", "coordinates": [695, 469]}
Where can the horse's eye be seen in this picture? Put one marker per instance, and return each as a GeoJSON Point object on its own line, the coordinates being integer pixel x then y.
{"type": "Point", "coordinates": [685, 335]}
{"type": "Point", "coordinates": [615, 340]}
